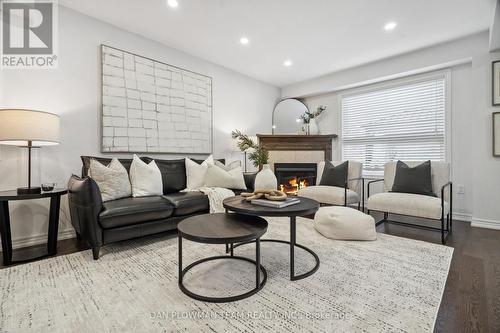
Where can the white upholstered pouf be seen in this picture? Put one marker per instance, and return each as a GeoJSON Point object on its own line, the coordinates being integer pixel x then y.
{"type": "Point", "coordinates": [344, 223]}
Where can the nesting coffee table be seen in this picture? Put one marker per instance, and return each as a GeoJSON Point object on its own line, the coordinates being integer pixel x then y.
{"type": "Point", "coordinates": [306, 207]}
{"type": "Point", "coordinates": [223, 229]}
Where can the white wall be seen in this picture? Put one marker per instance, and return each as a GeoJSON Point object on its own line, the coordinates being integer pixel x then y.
{"type": "Point", "coordinates": [471, 143]}
{"type": "Point", "coordinates": [73, 92]}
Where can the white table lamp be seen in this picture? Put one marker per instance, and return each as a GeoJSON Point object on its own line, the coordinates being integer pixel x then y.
{"type": "Point", "coordinates": [31, 129]}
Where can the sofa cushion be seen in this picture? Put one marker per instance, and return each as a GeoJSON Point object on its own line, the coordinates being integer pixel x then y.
{"type": "Point", "coordinates": [186, 203]}
{"type": "Point", "coordinates": [217, 176]}
{"type": "Point", "coordinates": [145, 178]}
{"type": "Point", "coordinates": [128, 211]}
{"type": "Point", "coordinates": [331, 195]}
{"type": "Point", "coordinates": [173, 174]}
{"type": "Point", "coordinates": [408, 204]}
{"type": "Point", "coordinates": [344, 223]}
{"type": "Point", "coordinates": [113, 180]}
{"type": "Point", "coordinates": [229, 166]}
{"type": "Point", "coordinates": [195, 172]}
{"type": "Point", "coordinates": [103, 160]}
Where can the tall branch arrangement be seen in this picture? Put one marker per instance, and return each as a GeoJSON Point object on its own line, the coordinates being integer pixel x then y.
{"type": "Point", "coordinates": [259, 156]}
{"type": "Point", "coordinates": [308, 115]}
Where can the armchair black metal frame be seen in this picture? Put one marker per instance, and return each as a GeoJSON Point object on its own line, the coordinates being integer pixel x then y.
{"type": "Point", "coordinates": [361, 202]}
{"type": "Point", "coordinates": [449, 222]}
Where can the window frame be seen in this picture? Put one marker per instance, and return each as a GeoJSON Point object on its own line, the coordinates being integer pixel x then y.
{"type": "Point", "coordinates": [388, 84]}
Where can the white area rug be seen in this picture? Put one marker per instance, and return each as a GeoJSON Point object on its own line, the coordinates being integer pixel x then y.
{"type": "Point", "coordinates": [389, 285]}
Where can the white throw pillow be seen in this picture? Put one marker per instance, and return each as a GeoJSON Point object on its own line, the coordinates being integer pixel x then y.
{"type": "Point", "coordinates": [196, 173]}
{"type": "Point", "coordinates": [145, 178]}
{"type": "Point", "coordinates": [218, 177]}
{"type": "Point", "coordinates": [112, 180]}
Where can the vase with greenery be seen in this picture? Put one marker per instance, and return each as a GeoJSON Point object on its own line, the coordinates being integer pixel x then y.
{"type": "Point", "coordinates": [309, 118]}
{"type": "Point", "coordinates": [258, 154]}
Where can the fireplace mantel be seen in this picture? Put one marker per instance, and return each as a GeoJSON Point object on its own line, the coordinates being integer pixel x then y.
{"type": "Point", "coordinates": [298, 142]}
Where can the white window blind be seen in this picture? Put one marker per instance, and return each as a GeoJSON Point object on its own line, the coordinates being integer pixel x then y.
{"type": "Point", "coordinates": [404, 122]}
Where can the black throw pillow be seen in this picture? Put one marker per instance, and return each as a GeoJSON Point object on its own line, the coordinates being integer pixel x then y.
{"type": "Point", "coordinates": [335, 175]}
{"type": "Point", "coordinates": [416, 180]}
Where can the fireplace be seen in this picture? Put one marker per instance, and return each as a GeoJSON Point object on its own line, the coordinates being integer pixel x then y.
{"type": "Point", "coordinates": [294, 176]}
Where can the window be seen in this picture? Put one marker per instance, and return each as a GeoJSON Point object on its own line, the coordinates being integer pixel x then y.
{"type": "Point", "coordinates": [402, 122]}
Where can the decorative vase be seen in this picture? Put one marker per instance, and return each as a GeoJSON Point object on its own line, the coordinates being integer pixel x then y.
{"type": "Point", "coordinates": [265, 179]}
{"type": "Point", "coordinates": [313, 127]}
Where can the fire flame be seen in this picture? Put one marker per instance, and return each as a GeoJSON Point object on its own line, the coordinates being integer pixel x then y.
{"type": "Point", "coordinates": [293, 186]}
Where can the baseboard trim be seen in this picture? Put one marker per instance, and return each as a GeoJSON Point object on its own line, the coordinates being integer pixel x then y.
{"type": "Point", "coordinates": [462, 217]}
{"type": "Point", "coordinates": [488, 224]}
{"type": "Point", "coordinates": [41, 239]}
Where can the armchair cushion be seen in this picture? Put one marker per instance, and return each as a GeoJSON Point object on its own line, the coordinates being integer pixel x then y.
{"type": "Point", "coordinates": [408, 204]}
{"type": "Point", "coordinates": [334, 175]}
{"type": "Point", "coordinates": [416, 180]}
{"type": "Point", "coordinates": [440, 174]}
{"type": "Point", "coordinates": [354, 172]}
{"type": "Point", "coordinates": [173, 174]}
{"type": "Point", "coordinates": [331, 195]}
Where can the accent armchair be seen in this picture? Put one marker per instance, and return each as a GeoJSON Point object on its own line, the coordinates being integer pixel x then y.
{"type": "Point", "coordinates": [350, 194]}
{"type": "Point", "coordinates": [408, 204]}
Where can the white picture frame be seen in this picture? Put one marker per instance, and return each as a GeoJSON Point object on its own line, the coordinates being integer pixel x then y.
{"type": "Point", "coordinates": [152, 107]}
{"type": "Point", "coordinates": [495, 83]}
{"type": "Point", "coordinates": [496, 134]}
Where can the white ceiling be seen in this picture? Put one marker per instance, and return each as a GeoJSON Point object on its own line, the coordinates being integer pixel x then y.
{"type": "Point", "coordinates": [319, 36]}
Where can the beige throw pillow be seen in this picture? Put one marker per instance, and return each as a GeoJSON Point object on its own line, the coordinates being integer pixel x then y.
{"type": "Point", "coordinates": [145, 178]}
{"type": "Point", "coordinates": [112, 180]}
{"type": "Point", "coordinates": [228, 166]}
{"type": "Point", "coordinates": [231, 179]}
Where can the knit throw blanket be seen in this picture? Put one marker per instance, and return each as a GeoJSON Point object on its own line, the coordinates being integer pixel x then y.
{"type": "Point", "coordinates": [215, 197]}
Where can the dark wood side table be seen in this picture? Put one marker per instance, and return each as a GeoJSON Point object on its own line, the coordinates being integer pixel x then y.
{"type": "Point", "coordinates": [55, 203]}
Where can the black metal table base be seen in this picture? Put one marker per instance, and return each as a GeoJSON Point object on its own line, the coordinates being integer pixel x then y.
{"type": "Point", "coordinates": [293, 277]}
{"type": "Point", "coordinates": [258, 270]}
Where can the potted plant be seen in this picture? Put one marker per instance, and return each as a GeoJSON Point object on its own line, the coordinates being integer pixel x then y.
{"type": "Point", "coordinates": [259, 156]}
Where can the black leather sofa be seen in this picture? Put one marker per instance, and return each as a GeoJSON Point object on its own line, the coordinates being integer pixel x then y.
{"type": "Point", "coordinates": [100, 223]}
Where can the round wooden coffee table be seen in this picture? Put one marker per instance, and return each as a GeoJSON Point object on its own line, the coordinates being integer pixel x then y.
{"type": "Point", "coordinates": [223, 229]}
{"type": "Point", "coordinates": [305, 207]}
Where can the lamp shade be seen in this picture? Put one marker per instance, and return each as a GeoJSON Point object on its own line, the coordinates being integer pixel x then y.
{"type": "Point", "coordinates": [18, 127]}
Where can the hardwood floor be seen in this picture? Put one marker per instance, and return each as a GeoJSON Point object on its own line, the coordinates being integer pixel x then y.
{"type": "Point", "coordinates": [471, 300]}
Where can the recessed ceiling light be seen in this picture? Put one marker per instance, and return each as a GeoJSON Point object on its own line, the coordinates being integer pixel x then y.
{"type": "Point", "coordinates": [244, 40]}
{"type": "Point", "coordinates": [287, 63]}
{"type": "Point", "coordinates": [173, 3]}
{"type": "Point", "coordinates": [390, 26]}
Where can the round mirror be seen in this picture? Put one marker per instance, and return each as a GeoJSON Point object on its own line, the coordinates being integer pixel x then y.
{"type": "Point", "coordinates": [286, 116]}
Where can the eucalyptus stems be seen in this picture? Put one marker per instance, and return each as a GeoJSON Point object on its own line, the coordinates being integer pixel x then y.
{"type": "Point", "coordinates": [308, 115]}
